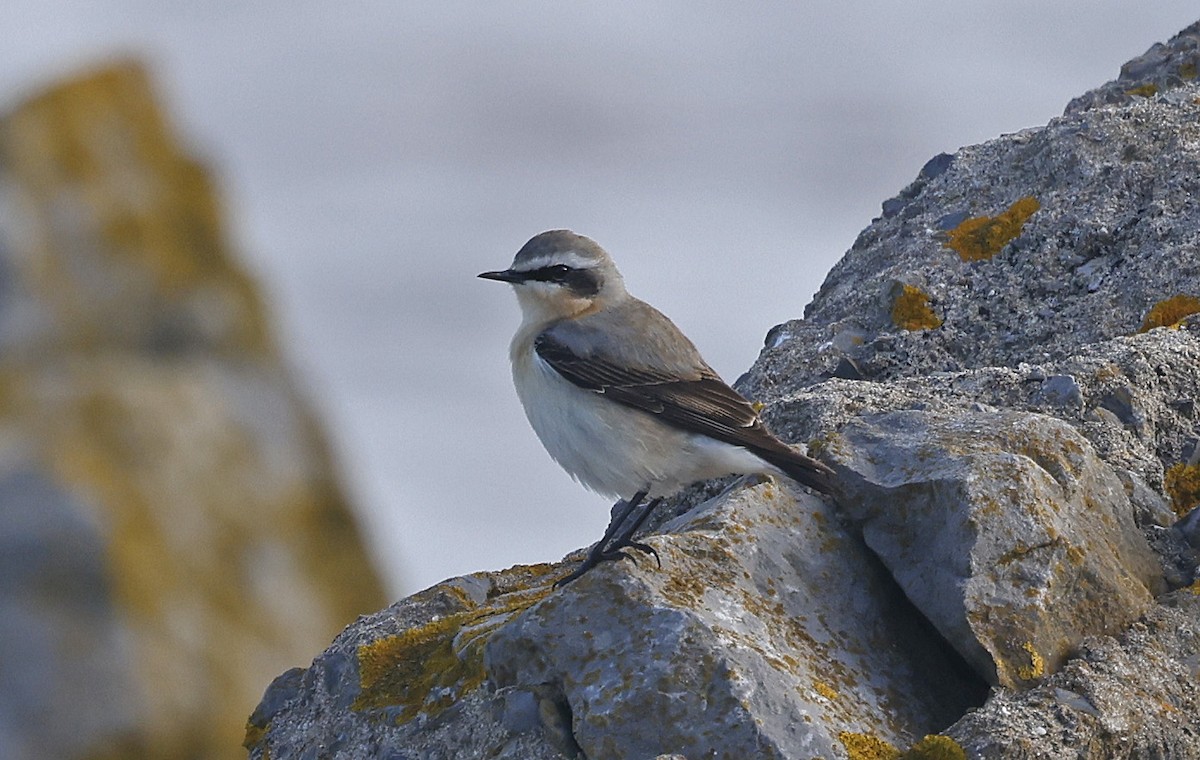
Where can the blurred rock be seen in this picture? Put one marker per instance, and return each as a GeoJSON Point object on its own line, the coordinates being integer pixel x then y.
{"type": "Point", "coordinates": [1001, 443]}
{"type": "Point", "coordinates": [173, 532]}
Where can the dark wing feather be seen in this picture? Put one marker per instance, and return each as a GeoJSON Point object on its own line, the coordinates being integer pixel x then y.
{"type": "Point", "coordinates": [701, 404]}
{"type": "Point", "coordinates": [704, 404]}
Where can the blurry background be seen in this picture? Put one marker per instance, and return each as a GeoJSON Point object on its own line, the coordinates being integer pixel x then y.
{"type": "Point", "coordinates": [373, 158]}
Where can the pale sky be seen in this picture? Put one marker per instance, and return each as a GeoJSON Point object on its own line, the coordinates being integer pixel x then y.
{"type": "Point", "coordinates": [374, 157]}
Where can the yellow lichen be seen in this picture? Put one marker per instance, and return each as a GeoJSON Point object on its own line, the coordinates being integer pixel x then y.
{"type": "Point", "coordinates": [1194, 588]}
{"type": "Point", "coordinates": [935, 747]}
{"type": "Point", "coordinates": [825, 690]}
{"type": "Point", "coordinates": [1036, 667]}
{"type": "Point", "coordinates": [1187, 71]}
{"type": "Point", "coordinates": [1182, 484]}
{"type": "Point", "coordinates": [911, 311]}
{"type": "Point", "coordinates": [428, 667]}
{"type": "Point", "coordinates": [1143, 90]}
{"type": "Point", "coordinates": [1170, 312]}
{"type": "Point", "coordinates": [982, 237]}
{"type": "Point", "coordinates": [867, 747]}
{"type": "Point", "coordinates": [420, 669]}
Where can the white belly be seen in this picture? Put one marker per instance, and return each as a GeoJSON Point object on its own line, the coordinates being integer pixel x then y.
{"type": "Point", "coordinates": [613, 449]}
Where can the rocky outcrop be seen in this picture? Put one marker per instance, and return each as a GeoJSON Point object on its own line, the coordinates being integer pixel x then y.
{"type": "Point", "coordinates": [173, 532]}
{"type": "Point", "coordinates": [1004, 372]}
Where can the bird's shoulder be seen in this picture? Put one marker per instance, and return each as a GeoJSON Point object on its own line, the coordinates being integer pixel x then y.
{"type": "Point", "coordinates": [640, 359]}
{"type": "Point", "coordinates": [632, 336]}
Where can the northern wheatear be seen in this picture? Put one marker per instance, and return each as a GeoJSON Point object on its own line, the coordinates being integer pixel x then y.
{"type": "Point", "coordinates": [619, 397]}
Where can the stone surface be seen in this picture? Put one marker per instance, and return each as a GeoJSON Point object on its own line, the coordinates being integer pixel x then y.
{"type": "Point", "coordinates": [1135, 695]}
{"type": "Point", "coordinates": [984, 371]}
{"type": "Point", "coordinates": [1118, 193]}
{"type": "Point", "coordinates": [729, 648]}
{"type": "Point", "coordinates": [173, 531]}
{"type": "Point", "coordinates": [1005, 529]}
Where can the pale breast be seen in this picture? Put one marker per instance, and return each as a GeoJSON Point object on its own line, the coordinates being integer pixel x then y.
{"type": "Point", "coordinates": [610, 448]}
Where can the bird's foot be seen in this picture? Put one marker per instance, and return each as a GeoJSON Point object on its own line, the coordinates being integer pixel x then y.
{"type": "Point", "coordinates": [612, 547]}
{"type": "Point", "coordinates": [639, 546]}
{"type": "Point", "coordinates": [613, 552]}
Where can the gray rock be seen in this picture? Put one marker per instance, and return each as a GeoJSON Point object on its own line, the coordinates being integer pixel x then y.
{"type": "Point", "coordinates": [1135, 695]}
{"type": "Point", "coordinates": [1160, 69]}
{"type": "Point", "coordinates": [728, 648]}
{"type": "Point", "coordinates": [721, 650]}
{"type": "Point", "coordinates": [1004, 529]}
{"type": "Point", "coordinates": [62, 652]}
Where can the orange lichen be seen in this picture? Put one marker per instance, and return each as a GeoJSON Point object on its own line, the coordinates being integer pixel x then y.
{"type": "Point", "coordinates": [1170, 312]}
{"type": "Point", "coordinates": [911, 311]}
{"type": "Point", "coordinates": [825, 690]}
{"type": "Point", "coordinates": [1182, 484]}
{"type": "Point", "coordinates": [1036, 667]}
{"type": "Point", "coordinates": [935, 747]}
{"type": "Point", "coordinates": [867, 747]}
{"type": "Point", "coordinates": [982, 237]}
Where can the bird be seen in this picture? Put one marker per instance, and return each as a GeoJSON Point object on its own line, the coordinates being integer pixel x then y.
{"type": "Point", "coordinates": [620, 398]}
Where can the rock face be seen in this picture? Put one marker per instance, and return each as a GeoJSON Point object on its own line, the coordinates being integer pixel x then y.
{"type": "Point", "coordinates": [173, 533]}
{"type": "Point", "coordinates": [1004, 372]}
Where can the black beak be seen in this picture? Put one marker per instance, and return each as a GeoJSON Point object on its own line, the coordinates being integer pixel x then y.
{"type": "Point", "coordinates": [507, 275]}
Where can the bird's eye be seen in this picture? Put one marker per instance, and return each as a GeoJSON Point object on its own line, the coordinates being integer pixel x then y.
{"type": "Point", "coordinates": [560, 270]}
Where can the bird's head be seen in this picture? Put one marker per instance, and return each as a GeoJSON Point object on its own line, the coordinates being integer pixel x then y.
{"type": "Point", "coordinates": [559, 274]}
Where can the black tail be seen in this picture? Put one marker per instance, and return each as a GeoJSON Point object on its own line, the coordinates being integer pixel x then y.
{"type": "Point", "coordinates": [800, 468]}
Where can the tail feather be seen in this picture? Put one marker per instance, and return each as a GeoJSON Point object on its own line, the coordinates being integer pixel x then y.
{"type": "Point", "coordinates": [801, 468]}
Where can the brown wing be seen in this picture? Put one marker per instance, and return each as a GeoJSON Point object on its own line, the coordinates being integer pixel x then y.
{"type": "Point", "coordinates": [703, 404]}
{"type": "Point", "coordinates": [681, 390]}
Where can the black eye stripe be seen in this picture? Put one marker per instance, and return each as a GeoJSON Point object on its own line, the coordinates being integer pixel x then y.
{"type": "Point", "coordinates": [582, 281]}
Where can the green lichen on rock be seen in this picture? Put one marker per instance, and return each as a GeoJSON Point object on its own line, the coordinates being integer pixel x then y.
{"type": "Point", "coordinates": [1170, 312]}
{"type": "Point", "coordinates": [911, 311]}
{"type": "Point", "coordinates": [932, 747]}
{"type": "Point", "coordinates": [254, 734]}
{"type": "Point", "coordinates": [982, 237]}
{"type": "Point", "coordinates": [1147, 90]}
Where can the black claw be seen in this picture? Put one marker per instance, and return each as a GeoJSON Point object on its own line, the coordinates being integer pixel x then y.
{"type": "Point", "coordinates": [610, 546]}
{"type": "Point", "coordinates": [646, 549]}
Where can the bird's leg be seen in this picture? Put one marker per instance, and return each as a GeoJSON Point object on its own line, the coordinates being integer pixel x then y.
{"type": "Point", "coordinates": [625, 539]}
{"type": "Point", "coordinates": [598, 553]}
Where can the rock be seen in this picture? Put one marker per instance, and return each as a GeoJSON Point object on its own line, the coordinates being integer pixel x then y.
{"type": "Point", "coordinates": [1005, 529]}
{"type": "Point", "coordinates": [720, 650]}
{"type": "Point", "coordinates": [1160, 69]}
{"type": "Point", "coordinates": [174, 534]}
{"type": "Point", "coordinates": [1132, 695]}
{"type": "Point", "coordinates": [1003, 371]}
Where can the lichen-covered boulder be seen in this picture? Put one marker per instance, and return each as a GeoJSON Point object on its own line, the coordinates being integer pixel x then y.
{"type": "Point", "coordinates": [173, 532]}
{"type": "Point", "coordinates": [731, 647]}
